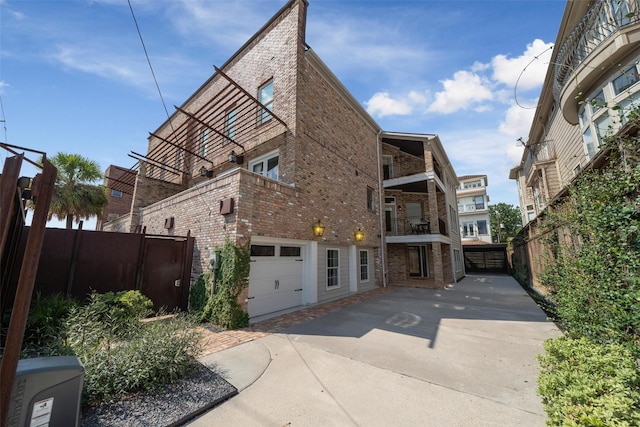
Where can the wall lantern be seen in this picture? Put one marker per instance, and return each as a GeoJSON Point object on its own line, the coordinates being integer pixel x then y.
{"type": "Point", "coordinates": [358, 235]}
{"type": "Point", "coordinates": [318, 229]}
{"type": "Point", "coordinates": [206, 172]}
{"type": "Point", "coordinates": [235, 158]}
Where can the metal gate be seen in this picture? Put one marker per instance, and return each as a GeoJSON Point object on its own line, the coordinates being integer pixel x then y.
{"type": "Point", "coordinates": [486, 258]}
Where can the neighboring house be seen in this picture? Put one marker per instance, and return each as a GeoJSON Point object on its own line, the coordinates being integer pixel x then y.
{"type": "Point", "coordinates": [420, 217]}
{"type": "Point", "coordinates": [119, 182]}
{"type": "Point", "coordinates": [473, 209]}
{"type": "Point", "coordinates": [273, 150]}
{"type": "Point", "coordinates": [590, 87]}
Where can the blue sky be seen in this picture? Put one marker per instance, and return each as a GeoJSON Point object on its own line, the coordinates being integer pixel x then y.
{"type": "Point", "coordinates": [74, 78]}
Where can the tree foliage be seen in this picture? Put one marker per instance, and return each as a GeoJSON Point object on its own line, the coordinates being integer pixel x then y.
{"type": "Point", "coordinates": [594, 236]}
{"type": "Point", "coordinates": [510, 218]}
{"type": "Point", "coordinates": [75, 196]}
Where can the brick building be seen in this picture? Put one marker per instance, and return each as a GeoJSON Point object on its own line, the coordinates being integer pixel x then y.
{"type": "Point", "coordinates": [272, 148]}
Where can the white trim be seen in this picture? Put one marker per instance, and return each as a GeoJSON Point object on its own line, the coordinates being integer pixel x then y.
{"type": "Point", "coordinates": [263, 160]}
{"type": "Point", "coordinates": [360, 266]}
{"type": "Point", "coordinates": [326, 270]}
{"type": "Point", "coordinates": [353, 268]}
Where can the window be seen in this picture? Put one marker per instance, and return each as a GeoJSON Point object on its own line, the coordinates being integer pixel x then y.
{"type": "Point", "coordinates": [468, 229]}
{"type": "Point", "coordinates": [603, 127]}
{"type": "Point", "coordinates": [474, 184]}
{"type": "Point", "coordinates": [626, 80]}
{"type": "Point", "coordinates": [333, 268]}
{"type": "Point", "coordinates": [263, 250]}
{"type": "Point", "coordinates": [266, 165]}
{"type": "Point", "coordinates": [589, 147]}
{"type": "Point", "coordinates": [230, 124]}
{"type": "Point", "coordinates": [204, 139]}
{"type": "Point", "coordinates": [116, 193]}
{"type": "Point", "coordinates": [387, 167]}
{"type": "Point", "coordinates": [265, 96]}
{"type": "Point", "coordinates": [371, 205]}
{"type": "Point", "coordinates": [289, 250]}
{"type": "Point", "coordinates": [482, 227]}
{"type": "Point", "coordinates": [364, 266]}
{"type": "Point", "coordinates": [479, 202]}
{"type": "Point", "coordinates": [457, 257]}
{"type": "Point", "coordinates": [112, 216]}
{"type": "Point", "coordinates": [414, 212]}
{"type": "Point", "coordinates": [598, 101]}
{"type": "Point", "coordinates": [418, 262]}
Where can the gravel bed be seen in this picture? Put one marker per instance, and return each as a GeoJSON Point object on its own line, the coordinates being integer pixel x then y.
{"type": "Point", "coordinates": [175, 405]}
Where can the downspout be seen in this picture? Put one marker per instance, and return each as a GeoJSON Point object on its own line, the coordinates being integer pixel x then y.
{"type": "Point", "coordinates": [383, 247]}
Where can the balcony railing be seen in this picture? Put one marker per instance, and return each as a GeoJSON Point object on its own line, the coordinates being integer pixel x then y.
{"type": "Point", "coordinates": [601, 21]}
{"type": "Point", "coordinates": [402, 226]}
{"type": "Point", "coordinates": [540, 152]}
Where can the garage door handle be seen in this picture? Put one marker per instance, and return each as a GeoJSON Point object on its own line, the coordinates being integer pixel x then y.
{"type": "Point", "coordinates": [298, 290]}
{"type": "Point", "coordinates": [299, 260]}
{"type": "Point", "coordinates": [277, 284]}
{"type": "Point", "coordinates": [251, 297]}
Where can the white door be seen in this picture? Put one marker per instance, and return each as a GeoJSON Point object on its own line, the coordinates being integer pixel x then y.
{"type": "Point", "coordinates": [275, 278]}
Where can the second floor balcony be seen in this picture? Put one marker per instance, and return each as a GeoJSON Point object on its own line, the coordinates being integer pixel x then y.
{"type": "Point", "coordinates": [412, 229]}
{"type": "Point", "coordinates": [538, 153]}
{"type": "Point", "coordinates": [603, 36]}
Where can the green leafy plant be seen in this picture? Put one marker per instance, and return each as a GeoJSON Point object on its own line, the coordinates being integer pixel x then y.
{"type": "Point", "coordinates": [44, 333]}
{"type": "Point", "coordinates": [232, 278]}
{"type": "Point", "coordinates": [587, 384]}
{"type": "Point", "coordinates": [123, 355]}
{"type": "Point", "coordinates": [199, 294]}
{"type": "Point", "coordinates": [593, 267]}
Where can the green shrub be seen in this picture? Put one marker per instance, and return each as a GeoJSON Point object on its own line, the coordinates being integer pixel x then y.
{"type": "Point", "coordinates": [199, 295]}
{"type": "Point", "coordinates": [588, 384]}
{"type": "Point", "coordinates": [123, 355]}
{"type": "Point", "coordinates": [44, 333]}
{"type": "Point", "coordinates": [231, 279]}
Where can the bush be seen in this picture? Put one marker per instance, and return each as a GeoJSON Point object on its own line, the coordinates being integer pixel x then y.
{"type": "Point", "coordinates": [588, 384]}
{"type": "Point", "coordinates": [156, 354]}
{"type": "Point", "coordinates": [231, 279]}
{"type": "Point", "coordinates": [122, 355]}
{"type": "Point", "coordinates": [44, 333]}
{"type": "Point", "coordinates": [199, 294]}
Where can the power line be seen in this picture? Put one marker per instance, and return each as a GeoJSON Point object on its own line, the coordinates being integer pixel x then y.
{"type": "Point", "coordinates": [515, 87]}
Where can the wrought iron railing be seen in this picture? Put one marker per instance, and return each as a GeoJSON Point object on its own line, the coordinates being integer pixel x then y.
{"type": "Point", "coordinates": [403, 226]}
{"type": "Point", "coordinates": [540, 152]}
{"type": "Point", "coordinates": [601, 21]}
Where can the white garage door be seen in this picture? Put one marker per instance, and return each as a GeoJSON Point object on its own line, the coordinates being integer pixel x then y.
{"type": "Point", "coordinates": [275, 278]}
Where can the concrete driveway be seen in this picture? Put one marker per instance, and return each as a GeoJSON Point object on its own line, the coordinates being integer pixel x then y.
{"type": "Point", "coordinates": [464, 356]}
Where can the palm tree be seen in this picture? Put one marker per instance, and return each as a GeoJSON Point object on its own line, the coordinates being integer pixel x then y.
{"type": "Point", "coordinates": [75, 197]}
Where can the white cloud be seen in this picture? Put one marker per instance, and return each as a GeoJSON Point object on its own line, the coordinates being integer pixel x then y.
{"type": "Point", "coordinates": [527, 70]}
{"type": "Point", "coordinates": [517, 121]}
{"type": "Point", "coordinates": [461, 92]}
{"type": "Point", "coordinates": [130, 69]}
{"type": "Point", "coordinates": [381, 104]}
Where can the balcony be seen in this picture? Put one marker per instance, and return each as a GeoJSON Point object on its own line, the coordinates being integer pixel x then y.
{"type": "Point", "coordinates": [538, 153]}
{"type": "Point", "coordinates": [412, 229]}
{"type": "Point", "coordinates": [577, 59]}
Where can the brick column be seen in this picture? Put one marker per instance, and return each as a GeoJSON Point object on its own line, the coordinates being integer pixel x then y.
{"type": "Point", "coordinates": [438, 264]}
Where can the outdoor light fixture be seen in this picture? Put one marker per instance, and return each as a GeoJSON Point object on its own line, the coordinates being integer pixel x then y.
{"type": "Point", "coordinates": [206, 172]}
{"type": "Point", "coordinates": [359, 234]}
{"type": "Point", "coordinates": [235, 158]}
{"type": "Point", "coordinates": [318, 229]}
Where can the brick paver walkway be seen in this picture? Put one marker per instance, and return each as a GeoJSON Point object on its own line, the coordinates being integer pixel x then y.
{"type": "Point", "coordinates": [214, 341]}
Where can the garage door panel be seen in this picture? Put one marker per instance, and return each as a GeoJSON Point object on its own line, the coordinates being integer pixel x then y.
{"type": "Point", "coordinates": [275, 283]}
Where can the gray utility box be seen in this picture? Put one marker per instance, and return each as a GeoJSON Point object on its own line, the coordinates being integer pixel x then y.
{"type": "Point", "coordinates": [46, 392]}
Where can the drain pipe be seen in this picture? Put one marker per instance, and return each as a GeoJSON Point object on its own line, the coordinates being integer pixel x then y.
{"type": "Point", "coordinates": [383, 247]}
